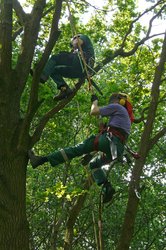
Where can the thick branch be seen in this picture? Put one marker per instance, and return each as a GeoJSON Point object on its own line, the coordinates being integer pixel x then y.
{"type": "Point", "coordinates": [155, 139]}
{"type": "Point", "coordinates": [18, 32]}
{"type": "Point", "coordinates": [52, 112]}
{"type": "Point", "coordinates": [54, 35]}
{"type": "Point", "coordinates": [32, 29]}
{"type": "Point", "coordinates": [32, 26]}
{"type": "Point", "coordinates": [142, 117]}
{"type": "Point", "coordinates": [19, 12]}
{"type": "Point", "coordinates": [22, 17]}
{"type": "Point", "coordinates": [145, 138]}
{"type": "Point", "coordinates": [6, 37]}
{"type": "Point", "coordinates": [121, 52]}
{"type": "Point", "coordinates": [52, 39]}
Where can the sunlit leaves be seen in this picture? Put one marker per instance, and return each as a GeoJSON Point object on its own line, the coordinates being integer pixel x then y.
{"type": "Point", "coordinates": [61, 191]}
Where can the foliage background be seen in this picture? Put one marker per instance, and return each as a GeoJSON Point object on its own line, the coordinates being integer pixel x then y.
{"type": "Point", "coordinates": [52, 192]}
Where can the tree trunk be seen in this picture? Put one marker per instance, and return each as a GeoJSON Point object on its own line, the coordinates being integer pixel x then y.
{"type": "Point", "coordinates": [14, 230]}
{"type": "Point", "coordinates": [129, 219]}
{"type": "Point", "coordinates": [145, 146]}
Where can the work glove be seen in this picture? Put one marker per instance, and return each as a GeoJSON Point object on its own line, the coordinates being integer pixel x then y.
{"type": "Point", "coordinates": [94, 98]}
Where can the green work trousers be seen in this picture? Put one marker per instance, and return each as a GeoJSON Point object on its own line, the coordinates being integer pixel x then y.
{"type": "Point", "coordinates": [86, 147]}
{"type": "Point", "coordinates": [64, 64]}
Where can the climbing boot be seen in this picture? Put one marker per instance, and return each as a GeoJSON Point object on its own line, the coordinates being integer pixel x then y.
{"type": "Point", "coordinates": [36, 160]}
{"type": "Point", "coordinates": [65, 91]}
{"type": "Point", "coordinates": [108, 192]}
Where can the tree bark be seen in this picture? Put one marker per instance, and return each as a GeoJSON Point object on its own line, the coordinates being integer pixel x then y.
{"type": "Point", "coordinates": [14, 230]}
{"type": "Point", "coordinates": [14, 135]}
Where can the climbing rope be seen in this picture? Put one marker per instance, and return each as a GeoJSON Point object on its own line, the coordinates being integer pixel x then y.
{"type": "Point", "coordinates": [95, 230]}
{"type": "Point", "coordinates": [97, 238]}
{"type": "Point", "coordinates": [101, 247]}
{"type": "Point", "coordinates": [81, 54]}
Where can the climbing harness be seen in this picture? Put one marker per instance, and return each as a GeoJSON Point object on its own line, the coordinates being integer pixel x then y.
{"type": "Point", "coordinates": [110, 132]}
{"type": "Point", "coordinates": [113, 147]}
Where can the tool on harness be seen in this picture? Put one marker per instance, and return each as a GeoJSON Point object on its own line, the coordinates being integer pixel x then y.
{"type": "Point", "coordinates": [113, 146]}
{"type": "Point", "coordinates": [116, 146]}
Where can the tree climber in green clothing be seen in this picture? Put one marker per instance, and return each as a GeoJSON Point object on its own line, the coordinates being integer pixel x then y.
{"type": "Point", "coordinates": [110, 141]}
{"type": "Point", "coordinates": [69, 64]}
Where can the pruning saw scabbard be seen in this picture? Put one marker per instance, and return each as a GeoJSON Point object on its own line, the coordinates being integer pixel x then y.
{"type": "Point", "coordinates": [96, 87]}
